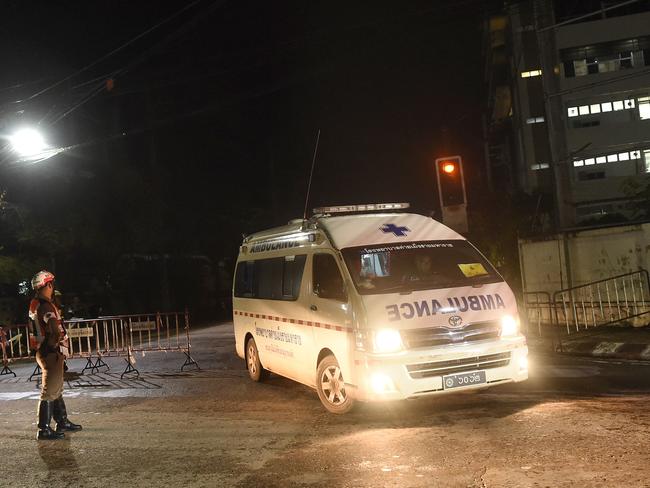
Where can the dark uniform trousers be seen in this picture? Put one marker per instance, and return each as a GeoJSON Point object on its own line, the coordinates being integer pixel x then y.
{"type": "Point", "coordinates": [52, 366]}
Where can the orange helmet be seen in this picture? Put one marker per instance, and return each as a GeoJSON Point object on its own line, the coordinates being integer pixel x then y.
{"type": "Point", "coordinates": [41, 279]}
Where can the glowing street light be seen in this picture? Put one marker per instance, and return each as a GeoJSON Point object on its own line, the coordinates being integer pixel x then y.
{"type": "Point", "coordinates": [28, 142]}
{"type": "Point", "coordinates": [30, 146]}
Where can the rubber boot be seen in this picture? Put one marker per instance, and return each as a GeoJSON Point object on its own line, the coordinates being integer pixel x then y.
{"type": "Point", "coordinates": [61, 417]}
{"type": "Point", "coordinates": [45, 432]}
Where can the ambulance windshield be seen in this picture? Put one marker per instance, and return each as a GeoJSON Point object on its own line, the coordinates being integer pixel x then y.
{"type": "Point", "coordinates": [402, 268]}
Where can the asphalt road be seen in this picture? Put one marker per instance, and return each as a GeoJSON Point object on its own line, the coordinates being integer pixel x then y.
{"type": "Point", "coordinates": [575, 422]}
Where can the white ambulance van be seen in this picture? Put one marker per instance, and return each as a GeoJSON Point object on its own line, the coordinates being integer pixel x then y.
{"type": "Point", "coordinates": [367, 303]}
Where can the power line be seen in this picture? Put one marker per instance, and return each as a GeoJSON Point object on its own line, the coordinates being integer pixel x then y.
{"type": "Point", "coordinates": [96, 91]}
{"type": "Point", "coordinates": [586, 16]}
{"type": "Point", "coordinates": [110, 53]}
{"type": "Point", "coordinates": [98, 88]}
{"type": "Point", "coordinates": [118, 72]}
{"type": "Point", "coordinates": [181, 30]}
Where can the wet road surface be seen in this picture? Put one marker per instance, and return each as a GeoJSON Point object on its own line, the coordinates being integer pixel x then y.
{"type": "Point", "coordinates": [576, 422]}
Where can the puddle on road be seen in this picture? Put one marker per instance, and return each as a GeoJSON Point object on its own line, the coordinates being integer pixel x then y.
{"type": "Point", "coordinates": [20, 395]}
{"type": "Point", "coordinates": [110, 385]}
{"type": "Point", "coordinates": [572, 372]}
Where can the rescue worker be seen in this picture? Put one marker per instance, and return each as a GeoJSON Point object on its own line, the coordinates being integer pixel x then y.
{"type": "Point", "coordinates": [50, 358]}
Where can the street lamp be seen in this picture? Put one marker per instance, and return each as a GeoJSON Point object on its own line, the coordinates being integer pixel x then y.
{"type": "Point", "coordinates": [28, 142]}
{"type": "Point", "coordinates": [30, 146]}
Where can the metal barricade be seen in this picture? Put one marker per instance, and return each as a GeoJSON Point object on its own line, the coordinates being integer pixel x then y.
{"type": "Point", "coordinates": [5, 358]}
{"type": "Point", "coordinates": [17, 337]}
{"type": "Point", "coordinates": [617, 299]}
{"type": "Point", "coordinates": [115, 336]}
{"type": "Point", "coordinates": [125, 335]}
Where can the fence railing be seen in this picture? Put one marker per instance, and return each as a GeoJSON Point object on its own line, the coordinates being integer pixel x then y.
{"type": "Point", "coordinates": [538, 310]}
{"type": "Point", "coordinates": [604, 302]}
{"type": "Point", "coordinates": [114, 336]}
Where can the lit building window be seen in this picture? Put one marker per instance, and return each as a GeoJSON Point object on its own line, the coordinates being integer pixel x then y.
{"type": "Point", "coordinates": [580, 67]}
{"type": "Point", "coordinates": [644, 108]}
{"type": "Point", "coordinates": [537, 167]}
{"type": "Point", "coordinates": [604, 63]}
{"type": "Point", "coordinates": [625, 60]}
{"type": "Point", "coordinates": [615, 105]}
{"type": "Point", "coordinates": [535, 120]}
{"type": "Point", "coordinates": [612, 158]}
{"type": "Point", "coordinates": [531, 74]}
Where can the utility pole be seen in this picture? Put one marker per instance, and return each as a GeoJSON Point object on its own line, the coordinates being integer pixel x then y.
{"type": "Point", "coordinates": [560, 164]}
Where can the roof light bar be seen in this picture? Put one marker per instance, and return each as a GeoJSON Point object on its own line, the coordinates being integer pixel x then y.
{"type": "Point", "coordinates": [368, 207]}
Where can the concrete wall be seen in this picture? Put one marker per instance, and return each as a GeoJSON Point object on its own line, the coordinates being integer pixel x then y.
{"type": "Point", "coordinates": [575, 258]}
{"type": "Point", "coordinates": [602, 30]}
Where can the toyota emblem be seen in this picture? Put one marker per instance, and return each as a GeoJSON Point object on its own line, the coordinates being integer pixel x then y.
{"type": "Point", "coordinates": [455, 320]}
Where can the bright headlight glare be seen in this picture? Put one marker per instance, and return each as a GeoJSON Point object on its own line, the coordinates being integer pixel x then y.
{"type": "Point", "coordinates": [387, 340]}
{"type": "Point", "coordinates": [523, 363]}
{"type": "Point", "coordinates": [509, 326]}
{"type": "Point", "coordinates": [381, 383]}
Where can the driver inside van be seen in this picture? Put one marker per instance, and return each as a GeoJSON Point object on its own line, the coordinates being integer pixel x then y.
{"type": "Point", "coordinates": [423, 268]}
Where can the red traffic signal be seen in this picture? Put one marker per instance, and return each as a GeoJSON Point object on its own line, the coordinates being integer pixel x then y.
{"type": "Point", "coordinates": [448, 167]}
{"type": "Point", "coordinates": [451, 185]}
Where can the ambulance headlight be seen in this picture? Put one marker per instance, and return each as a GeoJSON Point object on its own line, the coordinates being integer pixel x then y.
{"type": "Point", "coordinates": [378, 341]}
{"type": "Point", "coordinates": [509, 326]}
{"type": "Point", "coordinates": [523, 363]}
{"type": "Point", "coordinates": [387, 340]}
{"type": "Point", "coordinates": [381, 383]}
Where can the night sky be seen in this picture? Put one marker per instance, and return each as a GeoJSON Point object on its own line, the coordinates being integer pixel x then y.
{"type": "Point", "coordinates": [209, 128]}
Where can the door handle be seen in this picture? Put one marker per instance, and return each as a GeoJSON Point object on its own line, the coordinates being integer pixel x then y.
{"type": "Point", "coordinates": [313, 308]}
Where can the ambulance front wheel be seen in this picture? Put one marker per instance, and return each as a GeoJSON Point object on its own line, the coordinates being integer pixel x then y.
{"type": "Point", "coordinates": [253, 363]}
{"type": "Point", "coordinates": [331, 387]}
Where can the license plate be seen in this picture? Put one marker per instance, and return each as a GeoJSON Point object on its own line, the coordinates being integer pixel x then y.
{"type": "Point", "coordinates": [463, 379]}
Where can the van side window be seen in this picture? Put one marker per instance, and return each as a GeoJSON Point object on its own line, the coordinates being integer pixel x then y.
{"type": "Point", "coordinates": [244, 277]}
{"type": "Point", "coordinates": [270, 279]}
{"type": "Point", "coordinates": [292, 276]}
{"type": "Point", "coordinates": [327, 279]}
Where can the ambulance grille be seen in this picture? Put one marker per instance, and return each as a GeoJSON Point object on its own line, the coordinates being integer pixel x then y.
{"type": "Point", "coordinates": [440, 368]}
{"type": "Point", "coordinates": [441, 336]}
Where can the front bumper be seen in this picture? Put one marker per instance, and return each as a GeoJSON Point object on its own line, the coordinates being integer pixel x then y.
{"type": "Point", "coordinates": [416, 373]}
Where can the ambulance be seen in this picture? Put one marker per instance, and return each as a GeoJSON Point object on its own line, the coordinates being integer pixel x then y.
{"type": "Point", "coordinates": [369, 303]}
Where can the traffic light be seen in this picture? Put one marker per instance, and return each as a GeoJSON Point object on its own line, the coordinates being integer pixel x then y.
{"type": "Point", "coordinates": [451, 185]}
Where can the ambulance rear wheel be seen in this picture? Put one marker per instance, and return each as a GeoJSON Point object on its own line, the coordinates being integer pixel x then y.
{"type": "Point", "coordinates": [331, 387]}
{"type": "Point", "coordinates": [253, 363]}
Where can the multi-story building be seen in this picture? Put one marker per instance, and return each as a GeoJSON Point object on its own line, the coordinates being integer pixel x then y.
{"type": "Point", "coordinates": [569, 108]}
